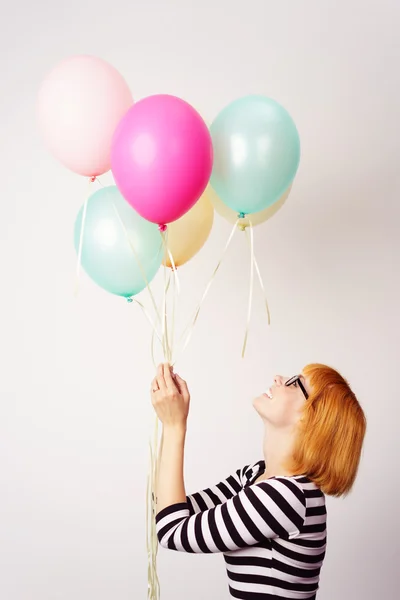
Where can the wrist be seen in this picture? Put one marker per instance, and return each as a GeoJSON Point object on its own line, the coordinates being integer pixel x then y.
{"type": "Point", "coordinates": [177, 430]}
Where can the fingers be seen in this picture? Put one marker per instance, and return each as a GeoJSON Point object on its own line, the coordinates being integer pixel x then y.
{"type": "Point", "coordinates": [161, 379]}
{"type": "Point", "coordinates": [167, 381]}
{"type": "Point", "coordinates": [154, 386]}
{"type": "Point", "coordinates": [168, 377]}
{"type": "Point", "coordinates": [182, 386]}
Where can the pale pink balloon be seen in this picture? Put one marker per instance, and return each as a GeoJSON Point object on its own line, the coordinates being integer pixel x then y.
{"type": "Point", "coordinates": [80, 105]}
{"type": "Point", "coordinates": [162, 157]}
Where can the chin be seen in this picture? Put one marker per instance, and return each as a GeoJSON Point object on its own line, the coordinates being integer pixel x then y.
{"type": "Point", "coordinates": [258, 404]}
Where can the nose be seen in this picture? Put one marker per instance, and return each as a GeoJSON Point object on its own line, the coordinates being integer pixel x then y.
{"type": "Point", "coordinates": [278, 380]}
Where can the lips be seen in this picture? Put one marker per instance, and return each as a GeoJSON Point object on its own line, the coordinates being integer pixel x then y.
{"type": "Point", "coordinates": [268, 393]}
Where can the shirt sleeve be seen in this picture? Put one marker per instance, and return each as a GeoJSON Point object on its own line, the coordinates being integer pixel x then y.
{"type": "Point", "coordinates": [270, 509]}
{"type": "Point", "coordinates": [216, 494]}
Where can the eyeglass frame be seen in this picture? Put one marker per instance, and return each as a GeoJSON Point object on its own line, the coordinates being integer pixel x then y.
{"type": "Point", "coordinates": [297, 379]}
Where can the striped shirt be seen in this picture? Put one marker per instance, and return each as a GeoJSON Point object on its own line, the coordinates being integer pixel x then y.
{"type": "Point", "coordinates": [272, 533]}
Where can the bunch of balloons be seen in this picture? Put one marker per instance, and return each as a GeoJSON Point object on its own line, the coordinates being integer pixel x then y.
{"type": "Point", "coordinates": [170, 170]}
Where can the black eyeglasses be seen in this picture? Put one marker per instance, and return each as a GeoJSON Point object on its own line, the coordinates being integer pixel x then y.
{"type": "Point", "coordinates": [296, 380]}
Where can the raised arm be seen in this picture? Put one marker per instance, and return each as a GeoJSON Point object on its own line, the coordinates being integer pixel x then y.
{"type": "Point", "coordinates": [171, 399]}
{"type": "Point", "coordinates": [270, 509]}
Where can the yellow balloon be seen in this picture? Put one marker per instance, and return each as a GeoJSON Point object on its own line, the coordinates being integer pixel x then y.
{"type": "Point", "coordinates": [256, 218]}
{"type": "Point", "coordinates": [187, 235]}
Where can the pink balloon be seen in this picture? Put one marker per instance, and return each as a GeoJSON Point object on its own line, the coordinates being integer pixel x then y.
{"type": "Point", "coordinates": [80, 105]}
{"type": "Point", "coordinates": [161, 157]}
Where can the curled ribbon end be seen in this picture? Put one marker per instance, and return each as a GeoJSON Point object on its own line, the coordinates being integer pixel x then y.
{"type": "Point", "coordinates": [244, 346]}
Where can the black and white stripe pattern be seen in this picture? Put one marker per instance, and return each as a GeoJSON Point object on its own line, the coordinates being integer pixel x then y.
{"type": "Point", "coordinates": [272, 534]}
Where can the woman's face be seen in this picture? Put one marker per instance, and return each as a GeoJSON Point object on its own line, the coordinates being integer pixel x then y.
{"type": "Point", "coordinates": [281, 406]}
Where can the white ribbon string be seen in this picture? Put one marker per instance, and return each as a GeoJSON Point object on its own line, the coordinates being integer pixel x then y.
{"type": "Point", "coordinates": [173, 266]}
{"type": "Point", "coordinates": [251, 289]}
{"type": "Point", "coordinates": [175, 294]}
{"type": "Point", "coordinates": [167, 344]}
{"type": "Point", "coordinates": [260, 279]}
{"type": "Point", "coordinates": [263, 290]}
{"type": "Point", "coordinates": [155, 333]}
{"type": "Point", "coordinates": [188, 331]}
{"type": "Point", "coordinates": [153, 586]}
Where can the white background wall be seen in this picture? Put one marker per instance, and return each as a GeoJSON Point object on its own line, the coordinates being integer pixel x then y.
{"type": "Point", "coordinates": [75, 414]}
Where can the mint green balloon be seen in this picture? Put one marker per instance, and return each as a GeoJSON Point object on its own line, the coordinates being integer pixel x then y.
{"type": "Point", "coordinates": [118, 245]}
{"type": "Point", "coordinates": [256, 153]}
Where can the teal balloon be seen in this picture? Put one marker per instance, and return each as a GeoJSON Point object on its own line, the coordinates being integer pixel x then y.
{"type": "Point", "coordinates": [256, 153]}
{"type": "Point", "coordinates": [120, 249]}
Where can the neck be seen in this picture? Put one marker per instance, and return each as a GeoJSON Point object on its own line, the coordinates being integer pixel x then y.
{"type": "Point", "coordinates": [278, 448]}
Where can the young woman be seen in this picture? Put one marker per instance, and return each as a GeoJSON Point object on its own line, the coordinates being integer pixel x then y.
{"type": "Point", "coordinates": [268, 518]}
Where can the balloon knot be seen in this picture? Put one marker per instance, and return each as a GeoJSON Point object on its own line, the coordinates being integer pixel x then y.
{"type": "Point", "coordinates": [93, 179]}
{"type": "Point", "coordinates": [129, 300]}
{"type": "Point", "coordinates": [162, 228]}
{"type": "Point", "coordinates": [242, 227]}
{"type": "Point", "coordinates": [241, 215]}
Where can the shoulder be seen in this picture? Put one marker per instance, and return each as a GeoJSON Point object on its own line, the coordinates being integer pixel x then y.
{"type": "Point", "coordinates": [285, 490]}
{"type": "Point", "coordinates": [281, 502]}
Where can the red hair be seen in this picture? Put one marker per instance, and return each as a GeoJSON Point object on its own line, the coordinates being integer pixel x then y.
{"type": "Point", "coordinates": [331, 433]}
